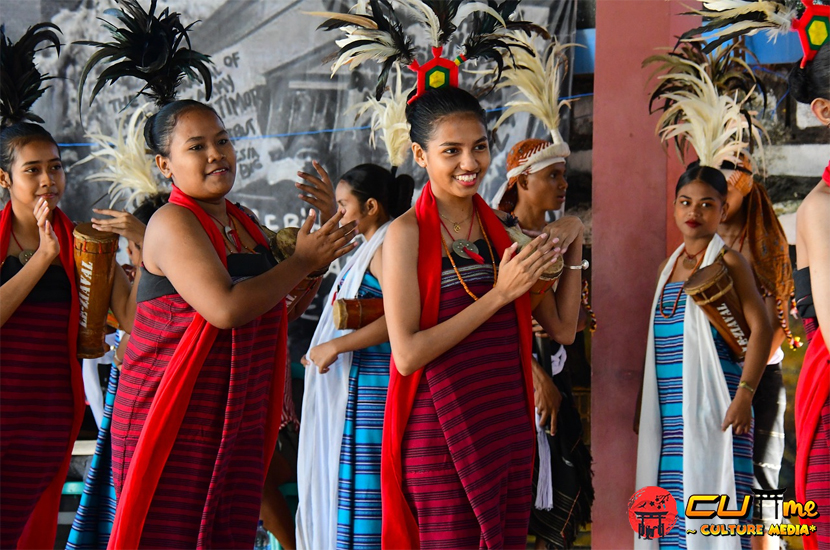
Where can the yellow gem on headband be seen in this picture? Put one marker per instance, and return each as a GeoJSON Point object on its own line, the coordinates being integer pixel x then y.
{"type": "Point", "coordinates": [817, 31]}
{"type": "Point", "coordinates": [437, 79]}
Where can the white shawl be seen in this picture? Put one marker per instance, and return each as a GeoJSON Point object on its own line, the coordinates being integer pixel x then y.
{"type": "Point", "coordinates": [707, 451]}
{"type": "Point", "coordinates": [324, 416]}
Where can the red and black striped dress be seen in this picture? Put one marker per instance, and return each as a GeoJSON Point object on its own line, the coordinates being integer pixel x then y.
{"type": "Point", "coordinates": [36, 399]}
{"type": "Point", "coordinates": [467, 452]}
{"type": "Point", "coordinates": [812, 417]}
{"type": "Point", "coordinates": [210, 489]}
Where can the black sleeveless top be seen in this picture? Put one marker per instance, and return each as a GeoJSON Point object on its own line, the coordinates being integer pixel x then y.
{"type": "Point", "coordinates": [153, 286]}
{"type": "Point", "coordinates": [804, 294]}
{"type": "Point", "coordinates": [54, 286]}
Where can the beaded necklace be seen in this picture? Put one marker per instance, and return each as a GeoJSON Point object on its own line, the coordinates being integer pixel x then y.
{"type": "Point", "coordinates": [679, 292]}
{"type": "Point", "coordinates": [455, 268]}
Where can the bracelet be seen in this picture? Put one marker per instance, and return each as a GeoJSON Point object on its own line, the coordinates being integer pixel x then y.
{"type": "Point", "coordinates": [746, 387]}
{"type": "Point", "coordinates": [585, 264]}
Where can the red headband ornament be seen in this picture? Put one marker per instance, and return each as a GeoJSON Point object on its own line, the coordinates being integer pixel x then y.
{"type": "Point", "coordinates": [813, 29]}
{"type": "Point", "coordinates": [438, 72]}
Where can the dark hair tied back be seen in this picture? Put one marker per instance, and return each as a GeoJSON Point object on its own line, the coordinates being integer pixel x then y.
{"type": "Point", "coordinates": [706, 174]}
{"type": "Point", "coordinates": [813, 81]}
{"type": "Point", "coordinates": [159, 127]}
{"type": "Point", "coordinates": [423, 113]}
{"type": "Point", "coordinates": [370, 181]}
{"type": "Point", "coordinates": [145, 210]}
{"type": "Point", "coordinates": [19, 135]}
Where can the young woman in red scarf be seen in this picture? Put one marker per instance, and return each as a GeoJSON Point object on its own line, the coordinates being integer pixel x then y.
{"type": "Point", "coordinates": [811, 85]}
{"type": "Point", "coordinates": [42, 395]}
{"type": "Point", "coordinates": [459, 426]}
{"type": "Point", "coordinates": [198, 406]}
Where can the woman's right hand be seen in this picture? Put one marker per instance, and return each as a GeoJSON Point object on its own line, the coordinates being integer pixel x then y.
{"type": "Point", "coordinates": [49, 245]}
{"type": "Point", "coordinates": [319, 248]}
{"type": "Point", "coordinates": [518, 273]}
{"type": "Point", "coordinates": [323, 356]}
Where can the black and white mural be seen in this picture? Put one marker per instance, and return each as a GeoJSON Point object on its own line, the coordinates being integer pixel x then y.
{"type": "Point", "coordinates": [271, 87]}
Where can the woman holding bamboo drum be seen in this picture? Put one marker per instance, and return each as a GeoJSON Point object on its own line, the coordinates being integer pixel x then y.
{"type": "Point", "coordinates": [696, 422]}
{"type": "Point", "coordinates": [42, 396]}
{"type": "Point", "coordinates": [346, 381]}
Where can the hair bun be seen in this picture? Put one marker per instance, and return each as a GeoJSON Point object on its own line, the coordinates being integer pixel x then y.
{"type": "Point", "coordinates": [798, 81]}
{"type": "Point", "coordinates": [400, 196]}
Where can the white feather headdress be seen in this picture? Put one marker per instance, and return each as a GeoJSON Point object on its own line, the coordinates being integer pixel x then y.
{"type": "Point", "coordinates": [728, 19]}
{"type": "Point", "coordinates": [538, 81]}
{"type": "Point", "coordinates": [127, 166]}
{"type": "Point", "coordinates": [717, 127]}
{"type": "Point", "coordinates": [389, 119]}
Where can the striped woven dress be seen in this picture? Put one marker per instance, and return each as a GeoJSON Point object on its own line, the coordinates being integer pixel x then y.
{"type": "Point", "coordinates": [668, 347]}
{"type": "Point", "coordinates": [816, 367]}
{"type": "Point", "coordinates": [210, 490]}
{"type": "Point", "coordinates": [468, 447]}
{"type": "Point", "coordinates": [358, 491]}
{"type": "Point", "coordinates": [92, 525]}
{"type": "Point", "coordinates": [36, 404]}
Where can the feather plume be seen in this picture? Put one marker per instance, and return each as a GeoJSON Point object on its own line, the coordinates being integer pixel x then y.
{"type": "Point", "coordinates": [375, 35]}
{"type": "Point", "coordinates": [728, 19]}
{"type": "Point", "coordinates": [716, 126]}
{"type": "Point", "coordinates": [493, 35]}
{"type": "Point", "coordinates": [425, 14]}
{"type": "Point", "coordinates": [538, 82]}
{"type": "Point", "coordinates": [127, 165]}
{"type": "Point", "coordinates": [726, 66]}
{"type": "Point", "coordinates": [20, 81]}
{"type": "Point", "coordinates": [389, 118]}
{"type": "Point", "coordinates": [148, 47]}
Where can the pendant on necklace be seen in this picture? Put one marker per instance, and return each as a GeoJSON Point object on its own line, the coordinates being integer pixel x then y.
{"type": "Point", "coordinates": [689, 263]}
{"type": "Point", "coordinates": [25, 256]}
{"type": "Point", "coordinates": [229, 232]}
{"type": "Point", "coordinates": [459, 245]}
{"type": "Point", "coordinates": [456, 227]}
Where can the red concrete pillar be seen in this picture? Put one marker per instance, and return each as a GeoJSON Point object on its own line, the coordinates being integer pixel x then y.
{"type": "Point", "coordinates": [633, 187]}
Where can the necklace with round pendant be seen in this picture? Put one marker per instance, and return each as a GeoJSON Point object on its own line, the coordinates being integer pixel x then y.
{"type": "Point", "coordinates": [689, 263]}
{"type": "Point", "coordinates": [25, 256]}
{"type": "Point", "coordinates": [459, 245]}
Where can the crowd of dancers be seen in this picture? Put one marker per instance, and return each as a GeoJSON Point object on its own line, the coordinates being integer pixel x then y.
{"type": "Point", "coordinates": [447, 419]}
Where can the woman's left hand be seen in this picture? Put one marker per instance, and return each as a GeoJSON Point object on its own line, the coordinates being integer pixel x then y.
{"type": "Point", "coordinates": [562, 232]}
{"type": "Point", "coordinates": [323, 356]}
{"type": "Point", "coordinates": [537, 329]}
{"type": "Point", "coordinates": [739, 414]}
{"type": "Point", "coordinates": [122, 223]}
{"type": "Point", "coordinates": [546, 397]}
{"type": "Point", "coordinates": [318, 192]}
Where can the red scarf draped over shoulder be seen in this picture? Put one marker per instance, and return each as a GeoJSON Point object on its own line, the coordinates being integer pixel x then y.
{"type": "Point", "coordinates": [810, 396]}
{"type": "Point", "coordinates": [42, 526]}
{"type": "Point", "coordinates": [173, 396]}
{"type": "Point", "coordinates": [399, 528]}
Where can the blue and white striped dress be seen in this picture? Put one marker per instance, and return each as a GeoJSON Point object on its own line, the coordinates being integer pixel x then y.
{"type": "Point", "coordinates": [668, 348]}
{"type": "Point", "coordinates": [93, 522]}
{"type": "Point", "coordinates": [359, 507]}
